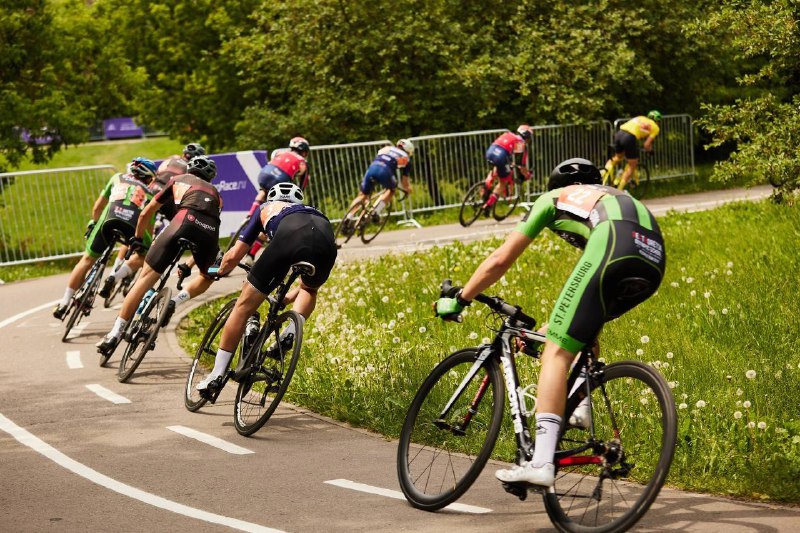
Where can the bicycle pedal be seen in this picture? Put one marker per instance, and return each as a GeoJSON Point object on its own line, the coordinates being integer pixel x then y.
{"type": "Point", "coordinates": [152, 346]}
{"type": "Point", "coordinates": [520, 490]}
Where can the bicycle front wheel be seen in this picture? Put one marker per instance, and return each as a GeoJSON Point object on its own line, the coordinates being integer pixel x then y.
{"type": "Point", "coordinates": [635, 427]}
{"type": "Point", "coordinates": [506, 203]}
{"type": "Point", "coordinates": [204, 358]}
{"type": "Point", "coordinates": [347, 226]}
{"type": "Point", "coordinates": [441, 454]}
{"type": "Point", "coordinates": [143, 337]}
{"type": "Point", "coordinates": [472, 205]}
{"type": "Point", "coordinates": [638, 190]}
{"type": "Point", "coordinates": [263, 386]}
{"type": "Point", "coordinates": [82, 305]}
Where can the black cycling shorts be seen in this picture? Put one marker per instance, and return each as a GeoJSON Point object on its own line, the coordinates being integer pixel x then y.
{"type": "Point", "coordinates": [300, 237]}
{"type": "Point", "coordinates": [102, 235]}
{"type": "Point", "coordinates": [198, 228]}
{"type": "Point", "coordinates": [626, 142]}
{"type": "Point", "coordinates": [621, 266]}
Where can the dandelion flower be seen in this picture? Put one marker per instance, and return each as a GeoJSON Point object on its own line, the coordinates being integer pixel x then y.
{"type": "Point", "coordinates": [762, 425]}
{"type": "Point", "coordinates": [739, 392]}
{"type": "Point", "coordinates": [682, 406]}
{"type": "Point", "coordinates": [746, 404]}
{"type": "Point", "coordinates": [639, 352]}
{"type": "Point", "coordinates": [707, 294]}
{"type": "Point", "coordinates": [737, 415]}
{"type": "Point", "coordinates": [473, 335]}
{"type": "Point", "coordinates": [401, 315]}
{"type": "Point", "coordinates": [751, 425]}
{"type": "Point", "coordinates": [309, 370]}
{"type": "Point", "coordinates": [385, 299]}
{"type": "Point", "coordinates": [689, 280]}
{"type": "Point", "coordinates": [675, 284]}
{"type": "Point", "coordinates": [423, 329]}
{"type": "Point", "coordinates": [730, 264]}
{"type": "Point", "coordinates": [724, 310]}
{"type": "Point", "coordinates": [645, 339]}
{"type": "Point", "coordinates": [669, 355]}
{"type": "Point", "coordinates": [700, 404]}
{"type": "Point", "coordinates": [486, 340]}
{"type": "Point", "coordinates": [396, 340]}
{"type": "Point", "coordinates": [692, 293]}
{"type": "Point", "coordinates": [750, 374]}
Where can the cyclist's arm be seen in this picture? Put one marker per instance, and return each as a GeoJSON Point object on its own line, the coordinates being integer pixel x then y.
{"type": "Point", "coordinates": [147, 219]}
{"type": "Point", "coordinates": [232, 258]}
{"type": "Point", "coordinates": [497, 264]}
{"type": "Point", "coordinates": [99, 205]}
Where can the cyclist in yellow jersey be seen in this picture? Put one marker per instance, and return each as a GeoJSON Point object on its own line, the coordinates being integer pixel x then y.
{"type": "Point", "coordinates": [626, 143]}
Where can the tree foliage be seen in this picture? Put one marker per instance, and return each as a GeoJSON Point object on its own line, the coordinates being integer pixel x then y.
{"type": "Point", "coordinates": [765, 125]}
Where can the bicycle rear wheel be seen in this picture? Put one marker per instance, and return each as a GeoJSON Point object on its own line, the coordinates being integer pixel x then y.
{"type": "Point", "coordinates": [635, 427]}
{"type": "Point", "coordinates": [472, 205]}
{"type": "Point", "coordinates": [82, 305]}
{"type": "Point", "coordinates": [204, 357]}
{"type": "Point", "coordinates": [374, 222]}
{"type": "Point", "coordinates": [506, 204]}
{"type": "Point", "coordinates": [439, 456]}
{"type": "Point", "coordinates": [263, 386]}
{"type": "Point", "coordinates": [348, 225]}
{"type": "Point", "coordinates": [143, 335]}
{"type": "Point", "coordinates": [638, 190]}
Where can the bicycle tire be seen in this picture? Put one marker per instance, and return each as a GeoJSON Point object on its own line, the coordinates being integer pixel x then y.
{"type": "Point", "coordinates": [267, 375]}
{"type": "Point", "coordinates": [79, 305]}
{"type": "Point", "coordinates": [504, 205]}
{"type": "Point", "coordinates": [204, 357]}
{"type": "Point", "coordinates": [148, 328]}
{"type": "Point", "coordinates": [435, 465]}
{"type": "Point", "coordinates": [472, 204]}
{"type": "Point", "coordinates": [639, 190]}
{"type": "Point", "coordinates": [374, 223]}
{"type": "Point", "coordinates": [575, 503]}
{"type": "Point", "coordinates": [354, 214]}
{"type": "Point", "coordinates": [118, 288]}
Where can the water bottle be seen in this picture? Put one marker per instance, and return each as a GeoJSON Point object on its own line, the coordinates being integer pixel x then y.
{"type": "Point", "coordinates": [250, 332]}
{"type": "Point", "coordinates": [149, 294]}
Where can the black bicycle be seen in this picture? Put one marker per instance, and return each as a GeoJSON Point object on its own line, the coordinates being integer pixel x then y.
{"type": "Point", "coordinates": [82, 302]}
{"type": "Point", "coordinates": [142, 331]}
{"type": "Point", "coordinates": [123, 287]}
{"type": "Point", "coordinates": [365, 220]}
{"type": "Point", "coordinates": [639, 180]}
{"type": "Point", "coordinates": [263, 366]}
{"type": "Point", "coordinates": [609, 469]}
{"type": "Point", "coordinates": [476, 201]}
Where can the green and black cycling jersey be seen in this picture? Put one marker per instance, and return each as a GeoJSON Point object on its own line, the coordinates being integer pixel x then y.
{"type": "Point", "coordinates": [622, 264]}
{"type": "Point", "coordinates": [126, 196]}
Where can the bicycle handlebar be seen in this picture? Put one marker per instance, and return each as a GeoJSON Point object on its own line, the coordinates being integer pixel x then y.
{"type": "Point", "coordinates": [495, 303]}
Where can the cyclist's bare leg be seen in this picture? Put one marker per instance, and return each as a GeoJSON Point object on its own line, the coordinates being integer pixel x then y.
{"type": "Point", "coordinates": [79, 272]}
{"type": "Point", "coordinates": [306, 300]}
{"type": "Point", "coordinates": [628, 173]}
{"type": "Point", "coordinates": [197, 286]}
{"type": "Point", "coordinates": [360, 199]}
{"type": "Point", "coordinates": [247, 304]}
{"type": "Point", "coordinates": [614, 161]}
{"type": "Point", "coordinates": [146, 281]}
{"type": "Point", "coordinates": [120, 256]}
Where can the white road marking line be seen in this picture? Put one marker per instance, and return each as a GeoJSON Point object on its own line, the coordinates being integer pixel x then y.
{"type": "Point", "coordinates": [11, 320]}
{"type": "Point", "coordinates": [74, 360]}
{"type": "Point", "coordinates": [77, 330]}
{"type": "Point", "coordinates": [107, 394]}
{"type": "Point", "coordinates": [210, 440]}
{"type": "Point", "coordinates": [396, 494]}
{"type": "Point", "coordinates": [38, 445]}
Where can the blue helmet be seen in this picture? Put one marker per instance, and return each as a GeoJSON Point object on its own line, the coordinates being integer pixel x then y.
{"type": "Point", "coordinates": [143, 169]}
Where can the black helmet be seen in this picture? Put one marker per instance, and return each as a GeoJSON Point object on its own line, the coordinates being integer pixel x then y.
{"type": "Point", "coordinates": [299, 145]}
{"type": "Point", "coordinates": [203, 167]}
{"type": "Point", "coordinates": [193, 150]}
{"type": "Point", "coordinates": [571, 171]}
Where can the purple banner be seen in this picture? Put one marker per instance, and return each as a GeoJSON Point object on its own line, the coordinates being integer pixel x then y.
{"type": "Point", "coordinates": [121, 128]}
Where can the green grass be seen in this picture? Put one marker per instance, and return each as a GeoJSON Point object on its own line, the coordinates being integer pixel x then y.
{"type": "Point", "coordinates": [727, 306]}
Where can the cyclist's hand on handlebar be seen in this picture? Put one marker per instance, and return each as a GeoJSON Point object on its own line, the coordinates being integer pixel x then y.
{"type": "Point", "coordinates": [89, 228]}
{"type": "Point", "coordinates": [184, 270]}
{"type": "Point", "coordinates": [448, 309]}
{"type": "Point", "coordinates": [135, 244]}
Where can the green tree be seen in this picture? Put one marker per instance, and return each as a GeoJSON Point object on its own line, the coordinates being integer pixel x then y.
{"type": "Point", "coordinates": [764, 125]}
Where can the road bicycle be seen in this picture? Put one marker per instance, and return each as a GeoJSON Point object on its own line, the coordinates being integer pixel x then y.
{"type": "Point", "coordinates": [640, 179]}
{"type": "Point", "coordinates": [123, 287]}
{"type": "Point", "coordinates": [263, 366]}
{"type": "Point", "coordinates": [82, 302]}
{"type": "Point", "coordinates": [476, 200]}
{"type": "Point", "coordinates": [607, 474]}
{"type": "Point", "coordinates": [150, 317]}
{"type": "Point", "coordinates": [365, 220]}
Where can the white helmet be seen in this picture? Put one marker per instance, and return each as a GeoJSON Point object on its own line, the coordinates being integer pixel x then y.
{"type": "Point", "coordinates": [285, 192]}
{"type": "Point", "coordinates": [406, 145]}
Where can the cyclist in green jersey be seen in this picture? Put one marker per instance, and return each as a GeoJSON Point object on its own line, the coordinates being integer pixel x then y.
{"type": "Point", "coordinates": [622, 265]}
{"type": "Point", "coordinates": [117, 207]}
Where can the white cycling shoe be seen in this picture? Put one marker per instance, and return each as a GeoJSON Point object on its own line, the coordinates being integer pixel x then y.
{"type": "Point", "coordinates": [581, 417]}
{"type": "Point", "coordinates": [203, 385]}
{"type": "Point", "coordinates": [543, 476]}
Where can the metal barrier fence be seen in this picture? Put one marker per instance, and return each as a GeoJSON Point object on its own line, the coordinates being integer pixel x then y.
{"type": "Point", "coordinates": [42, 211]}
{"type": "Point", "coordinates": [673, 151]}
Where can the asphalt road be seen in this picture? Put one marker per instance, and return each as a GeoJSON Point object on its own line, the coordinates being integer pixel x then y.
{"type": "Point", "coordinates": [81, 452]}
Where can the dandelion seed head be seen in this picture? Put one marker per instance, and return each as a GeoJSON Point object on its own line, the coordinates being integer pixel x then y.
{"type": "Point", "coordinates": [645, 339]}
{"type": "Point", "coordinates": [669, 355]}
{"type": "Point", "coordinates": [750, 374]}
{"type": "Point", "coordinates": [682, 406]}
{"type": "Point", "coordinates": [751, 425]}
{"type": "Point", "coordinates": [737, 415]}
{"type": "Point", "coordinates": [746, 404]}
{"type": "Point", "coordinates": [700, 404]}
{"type": "Point", "coordinates": [423, 329]}
{"type": "Point", "coordinates": [762, 425]}
{"type": "Point", "coordinates": [639, 352]}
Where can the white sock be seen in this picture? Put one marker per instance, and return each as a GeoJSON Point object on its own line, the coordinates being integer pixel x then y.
{"type": "Point", "coordinates": [119, 325]}
{"type": "Point", "coordinates": [67, 295]}
{"type": "Point", "coordinates": [379, 207]}
{"type": "Point", "coordinates": [181, 297]}
{"type": "Point", "coordinates": [221, 362]}
{"type": "Point", "coordinates": [122, 272]}
{"type": "Point", "coordinates": [118, 262]}
{"type": "Point", "coordinates": [286, 331]}
{"type": "Point", "coordinates": [547, 426]}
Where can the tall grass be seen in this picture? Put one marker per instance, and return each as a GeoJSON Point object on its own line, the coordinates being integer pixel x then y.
{"type": "Point", "coordinates": [723, 329]}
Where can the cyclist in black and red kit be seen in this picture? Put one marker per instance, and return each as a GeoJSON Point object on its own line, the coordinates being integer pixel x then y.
{"type": "Point", "coordinates": [296, 232]}
{"type": "Point", "coordinates": [198, 205]}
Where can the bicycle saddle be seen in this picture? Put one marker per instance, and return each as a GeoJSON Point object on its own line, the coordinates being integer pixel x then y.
{"type": "Point", "coordinates": [186, 243]}
{"type": "Point", "coordinates": [307, 269]}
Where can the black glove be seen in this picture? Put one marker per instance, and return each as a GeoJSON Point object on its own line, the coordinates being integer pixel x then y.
{"type": "Point", "coordinates": [184, 270]}
{"type": "Point", "coordinates": [135, 244]}
{"type": "Point", "coordinates": [89, 228]}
